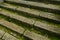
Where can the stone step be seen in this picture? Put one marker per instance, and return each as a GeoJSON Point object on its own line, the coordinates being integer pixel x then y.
{"type": "Point", "coordinates": [35, 7]}
{"type": "Point", "coordinates": [35, 36]}
{"type": "Point", "coordinates": [12, 26]}
{"type": "Point", "coordinates": [19, 8]}
{"type": "Point", "coordinates": [18, 17]}
{"type": "Point", "coordinates": [49, 27]}
{"type": "Point", "coordinates": [33, 12]}
{"type": "Point", "coordinates": [12, 32]}
{"type": "Point", "coordinates": [27, 33]}
{"type": "Point", "coordinates": [44, 5]}
{"type": "Point", "coordinates": [39, 24]}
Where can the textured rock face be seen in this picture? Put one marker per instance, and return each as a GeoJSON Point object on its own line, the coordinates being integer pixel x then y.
{"type": "Point", "coordinates": [29, 20]}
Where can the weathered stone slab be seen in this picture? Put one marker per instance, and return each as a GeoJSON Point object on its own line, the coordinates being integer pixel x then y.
{"type": "Point", "coordinates": [1, 33]}
{"type": "Point", "coordinates": [9, 37]}
{"type": "Point", "coordinates": [35, 36]}
{"type": "Point", "coordinates": [51, 6]}
{"type": "Point", "coordinates": [38, 23]}
{"type": "Point", "coordinates": [12, 26]}
{"type": "Point", "coordinates": [48, 27]}
{"type": "Point", "coordinates": [28, 10]}
{"type": "Point", "coordinates": [18, 17]}
{"type": "Point", "coordinates": [19, 8]}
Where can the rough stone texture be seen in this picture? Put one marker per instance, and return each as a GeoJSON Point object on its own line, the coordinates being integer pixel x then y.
{"type": "Point", "coordinates": [9, 37]}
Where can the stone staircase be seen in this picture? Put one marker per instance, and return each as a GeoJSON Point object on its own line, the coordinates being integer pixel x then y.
{"type": "Point", "coordinates": [30, 20]}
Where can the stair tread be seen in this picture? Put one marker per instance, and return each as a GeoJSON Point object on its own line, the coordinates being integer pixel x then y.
{"type": "Point", "coordinates": [18, 17]}
{"type": "Point", "coordinates": [12, 26]}
{"type": "Point", "coordinates": [35, 36]}
{"type": "Point", "coordinates": [27, 20]}
{"type": "Point", "coordinates": [51, 6]}
{"type": "Point", "coordinates": [47, 27]}
{"type": "Point", "coordinates": [30, 19]}
{"type": "Point", "coordinates": [34, 12]}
